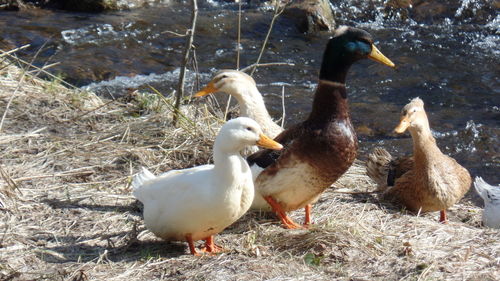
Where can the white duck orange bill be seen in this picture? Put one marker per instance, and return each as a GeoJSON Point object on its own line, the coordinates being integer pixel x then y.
{"type": "Point", "coordinates": [267, 142]}
{"type": "Point", "coordinates": [208, 89]}
{"type": "Point", "coordinates": [403, 125]}
{"type": "Point", "coordinates": [377, 56]}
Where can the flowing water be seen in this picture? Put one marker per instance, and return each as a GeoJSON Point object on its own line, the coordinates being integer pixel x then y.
{"type": "Point", "coordinates": [451, 62]}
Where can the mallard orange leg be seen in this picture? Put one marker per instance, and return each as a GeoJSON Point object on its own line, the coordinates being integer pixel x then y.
{"type": "Point", "coordinates": [307, 219]}
{"type": "Point", "coordinates": [442, 217]}
{"type": "Point", "coordinates": [192, 249]}
{"type": "Point", "coordinates": [210, 246]}
{"type": "Point", "coordinates": [287, 221]}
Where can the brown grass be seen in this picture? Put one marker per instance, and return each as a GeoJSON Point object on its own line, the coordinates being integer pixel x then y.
{"type": "Point", "coordinates": [67, 213]}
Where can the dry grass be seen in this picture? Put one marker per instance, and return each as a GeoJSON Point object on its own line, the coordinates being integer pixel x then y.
{"type": "Point", "coordinates": [67, 213]}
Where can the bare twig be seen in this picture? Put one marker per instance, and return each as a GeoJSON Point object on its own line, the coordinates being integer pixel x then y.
{"type": "Point", "coordinates": [238, 43]}
{"type": "Point", "coordinates": [174, 33]}
{"type": "Point", "coordinates": [255, 65]}
{"type": "Point", "coordinates": [5, 53]}
{"type": "Point", "coordinates": [277, 12]}
{"type": "Point", "coordinates": [187, 51]}
{"type": "Point", "coordinates": [283, 106]}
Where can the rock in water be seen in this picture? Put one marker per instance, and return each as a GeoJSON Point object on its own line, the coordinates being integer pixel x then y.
{"type": "Point", "coordinates": [311, 15]}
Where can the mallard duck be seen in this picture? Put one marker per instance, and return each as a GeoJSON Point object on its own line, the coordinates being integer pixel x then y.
{"type": "Point", "coordinates": [321, 148]}
{"type": "Point", "coordinates": [196, 203]}
{"type": "Point", "coordinates": [428, 181]}
{"type": "Point", "coordinates": [491, 197]}
{"type": "Point", "coordinates": [242, 87]}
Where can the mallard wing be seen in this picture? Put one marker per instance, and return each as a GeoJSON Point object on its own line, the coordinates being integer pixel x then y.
{"type": "Point", "coordinates": [266, 157]}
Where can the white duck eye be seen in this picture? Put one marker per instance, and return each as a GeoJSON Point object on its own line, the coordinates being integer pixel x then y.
{"type": "Point", "coordinates": [249, 129]}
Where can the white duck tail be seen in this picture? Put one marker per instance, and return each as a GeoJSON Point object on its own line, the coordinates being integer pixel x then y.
{"type": "Point", "coordinates": [140, 178]}
{"type": "Point", "coordinates": [491, 197]}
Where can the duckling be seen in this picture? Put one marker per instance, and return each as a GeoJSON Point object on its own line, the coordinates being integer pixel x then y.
{"type": "Point", "coordinates": [429, 180]}
{"type": "Point", "coordinates": [243, 87]}
{"type": "Point", "coordinates": [199, 202]}
{"type": "Point", "coordinates": [491, 197]}
{"type": "Point", "coordinates": [321, 148]}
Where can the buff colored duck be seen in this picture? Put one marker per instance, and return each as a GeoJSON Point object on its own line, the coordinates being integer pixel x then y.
{"type": "Point", "coordinates": [243, 87]}
{"type": "Point", "coordinates": [321, 148]}
{"type": "Point", "coordinates": [428, 181]}
{"type": "Point", "coordinates": [199, 202]}
{"type": "Point", "coordinates": [491, 197]}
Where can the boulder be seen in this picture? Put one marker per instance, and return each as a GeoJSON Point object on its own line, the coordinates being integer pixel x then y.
{"type": "Point", "coordinates": [311, 15]}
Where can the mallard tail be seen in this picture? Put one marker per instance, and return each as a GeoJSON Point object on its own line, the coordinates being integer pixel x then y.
{"type": "Point", "coordinates": [377, 166]}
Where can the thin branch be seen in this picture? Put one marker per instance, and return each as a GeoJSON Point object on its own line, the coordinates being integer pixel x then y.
{"type": "Point", "coordinates": [6, 53]}
{"type": "Point", "coordinates": [277, 13]}
{"type": "Point", "coordinates": [238, 42]}
{"type": "Point", "coordinates": [283, 106]}
{"type": "Point", "coordinates": [255, 65]}
{"type": "Point", "coordinates": [187, 51]}
{"type": "Point", "coordinates": [174, 33]}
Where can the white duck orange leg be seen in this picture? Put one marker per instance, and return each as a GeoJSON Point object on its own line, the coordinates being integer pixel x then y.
{"type": "Point", "coordinates": [210, 246]}
{"type": "Point", "coordinates": [192, 249]}
{"type": "Point", "coordinates": [287, 221]}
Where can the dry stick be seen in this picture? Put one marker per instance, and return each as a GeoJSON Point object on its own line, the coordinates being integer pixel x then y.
{"type": "Point", "coordinates": [277, 13]}
{"type": "Point", "coordinates": [228, 103]}
{"type": "Point", "coordinates": [187, 49]}
{"type": "Point", "coordinates": [283, 106]}
{"type": "Point", "coordinates": [255, 65]}
{"type": "Point", "coordinates": [5, 53]}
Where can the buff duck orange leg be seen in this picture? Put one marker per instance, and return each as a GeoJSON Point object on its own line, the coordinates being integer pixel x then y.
{"type": "Point", "coordinates": [286, 220]}
{"type": "Point", "coordinates": [307, 218]}
{"type": "Point", "coordinates": [443, 218]}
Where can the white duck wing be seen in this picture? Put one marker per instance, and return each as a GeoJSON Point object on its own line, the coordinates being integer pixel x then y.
{"type": "Point", "coordinates": [167, 183]}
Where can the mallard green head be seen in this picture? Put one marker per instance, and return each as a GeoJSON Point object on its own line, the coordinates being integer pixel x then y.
{"type": "Point", "coordinates": [347, 46]}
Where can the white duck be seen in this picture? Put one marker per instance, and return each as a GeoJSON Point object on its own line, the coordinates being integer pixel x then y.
{"type": "Point", "coordinates": [491, 197]}
{"type": "Point", "coordinates": [243, 87]}
{"type": "Point", "coordinates": [196, 203]}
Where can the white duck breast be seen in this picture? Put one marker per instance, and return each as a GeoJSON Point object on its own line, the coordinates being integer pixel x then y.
{"type": "Point", "coordinates": [491, 197]}
{"type": "Point", "coordinates": [196, 203]}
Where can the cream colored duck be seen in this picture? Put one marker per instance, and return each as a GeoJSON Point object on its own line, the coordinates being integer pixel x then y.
{"type": "Point", "coordinates": [491, 197]}
{"type": "Point", "coordinates": [199, 202]}
{"type": "Point", "coordinates": [242, 87]}
{"type": "Point", "coordinates": [429, 181]}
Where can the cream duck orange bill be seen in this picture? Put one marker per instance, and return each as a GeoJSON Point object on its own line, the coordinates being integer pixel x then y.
{"type": "Point", "coordinates": [321, 148]}
{"type": "Point", "coordinates": [199, 202]}
{"type": "Point", "coordinates": [243, 88]}
{"type": "Point", "coordinates": [427, 181]}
